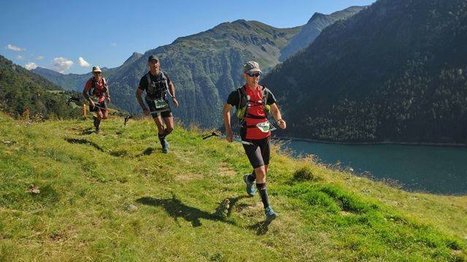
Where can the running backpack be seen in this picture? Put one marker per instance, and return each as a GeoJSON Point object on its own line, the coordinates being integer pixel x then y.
{"type": "Point", "coordinates": [242, 107]}
{"type": "Point", "coordinates": [96, 92]}
{"type": "Point", "coordinates": [156, 90]}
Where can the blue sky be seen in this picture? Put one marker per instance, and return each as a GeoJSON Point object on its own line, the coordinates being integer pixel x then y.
{"type": "Point", "coordinates": [69, 36]}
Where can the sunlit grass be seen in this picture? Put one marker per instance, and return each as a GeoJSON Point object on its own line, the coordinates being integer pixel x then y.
{"type": "Point", "coordinates": [67, 193]}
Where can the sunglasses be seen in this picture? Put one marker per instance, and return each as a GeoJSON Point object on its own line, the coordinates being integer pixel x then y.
{"type": "Point", "coordinates": [97, 73]}
{"type": "Point", "coordinates": [254, 74]}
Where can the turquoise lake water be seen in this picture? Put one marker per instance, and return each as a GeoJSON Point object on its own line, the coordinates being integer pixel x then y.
{"type": "Point", "coordinates": [439, 170]}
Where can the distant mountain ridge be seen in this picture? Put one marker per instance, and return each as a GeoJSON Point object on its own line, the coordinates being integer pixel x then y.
{"type": "Point", "coordinates": [395, 71]}
{"type": "Point", "coordinates": [317, 23]}
{"type": "Point", "coordinates": [205, 67]}
{"type": "Point", "coordinates": [71, 82]}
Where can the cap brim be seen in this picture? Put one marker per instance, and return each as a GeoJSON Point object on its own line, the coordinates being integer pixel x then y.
{"type": "Point", "coordinates": [253, 71]}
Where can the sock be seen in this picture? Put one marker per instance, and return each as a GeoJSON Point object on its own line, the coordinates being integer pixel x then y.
{"type": "Point", "coordinates": [161, 138]}
{"type": "Point", "coordinates": [263, 193]}
{"type": "Point", "coordinates": [97, 122]}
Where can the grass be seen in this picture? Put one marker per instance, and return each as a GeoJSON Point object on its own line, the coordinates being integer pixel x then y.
{"type": "Point", "coordinates": [115, 196]}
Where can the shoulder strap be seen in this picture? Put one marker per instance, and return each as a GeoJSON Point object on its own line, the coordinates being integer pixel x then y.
{"type": "Point", "coordinates": [106, 87]}
{"type": "Point", "coordinates": [265, 95]}
{"type": "Point", "coordinates": [242, 104]}
{"type": "Point", "coordinates": [164, 78]}
{"type": "Point", "coordinates": [148, 77]}
{"type": "Point", "coordinates": [242, 97]}
{"type": "Point", "coordinates": [93, 86]}
{"type": "Point", "coordinates": [266, 107]}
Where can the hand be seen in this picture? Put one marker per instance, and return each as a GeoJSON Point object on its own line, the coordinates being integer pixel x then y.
{"type": "Point", "coordinates": [282, 124]}
{"type": "Point", "coordinates": [146, 111]}
{"type": "Point", "coordinates": [175, 101]}
{"type": "Point", "coordinates": [229, 136]}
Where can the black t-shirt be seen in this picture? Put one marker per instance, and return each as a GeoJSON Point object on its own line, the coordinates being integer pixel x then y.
{"type": "Point", "coordinates": [158, 88]}
{"type": "Point", "coordinates": [234, 98]}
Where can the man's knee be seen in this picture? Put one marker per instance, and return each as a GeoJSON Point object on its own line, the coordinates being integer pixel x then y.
{"type": "Point", "coordinates": [260, 171]}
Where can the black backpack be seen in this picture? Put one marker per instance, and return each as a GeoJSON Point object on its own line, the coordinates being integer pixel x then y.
{"type": "Point", "coordinates": [154, 91]}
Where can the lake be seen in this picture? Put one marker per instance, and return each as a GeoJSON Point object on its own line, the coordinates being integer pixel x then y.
{"type": "Point", "coordinates": [439, 170]}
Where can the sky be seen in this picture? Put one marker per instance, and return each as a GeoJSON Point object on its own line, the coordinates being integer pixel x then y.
{"type": "Point", "coordinates": [71, 36]}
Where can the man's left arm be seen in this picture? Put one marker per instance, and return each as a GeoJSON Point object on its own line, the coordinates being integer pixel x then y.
{"type": "Point", "coordinates": [172, 93]}
{"type": "Point", "coordinates": [107, 93]}
{"type": "Point", "coordinates": [276, 113]}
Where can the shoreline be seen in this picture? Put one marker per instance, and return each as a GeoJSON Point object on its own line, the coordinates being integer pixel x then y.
{"type": "Point", "coordinates": [310, 140]}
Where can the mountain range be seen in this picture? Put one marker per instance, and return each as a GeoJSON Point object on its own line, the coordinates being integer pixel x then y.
{"type": "Point", "coordinates": [396, 71]}
{"type": "Point", "coordinates": [205, 67]}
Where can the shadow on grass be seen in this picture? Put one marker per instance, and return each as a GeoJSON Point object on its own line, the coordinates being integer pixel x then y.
{"type": "Point", "coordinates": [88, 131]}
{"type": "Point", "coordinates": [232, 202]}
{"type": "Point", "coordinates": [84, 142]}
{"type": "Point", "coordinates": [177, 209]}
{"type": "Point", "coordinates": [148, 151]}
{"type": "Point", "coordinates": [261, 228]}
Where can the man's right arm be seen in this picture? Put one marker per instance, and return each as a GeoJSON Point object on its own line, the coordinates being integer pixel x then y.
{"type": "Point", "coordinates": [139, 97]}
{"type": "Point", "coordinates": [228, 127]}
{"type": "Point", "coordinates": [86, 96]}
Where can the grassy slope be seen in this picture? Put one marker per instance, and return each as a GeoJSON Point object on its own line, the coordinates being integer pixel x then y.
{"type": "Point", "coordinates": [114, 196]}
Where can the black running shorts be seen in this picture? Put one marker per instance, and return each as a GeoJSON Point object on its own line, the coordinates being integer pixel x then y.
{"type": "Point", "coordinates": [155, 113]}
{"type": "Point", "coordinates": [258, 151]}
{"type": "Point", "coordinates": [98, 106]}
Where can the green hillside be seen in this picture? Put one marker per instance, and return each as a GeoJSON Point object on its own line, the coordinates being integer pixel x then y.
{"type": "Point", "coordinates": [25, 94]}
{"type": "Point", "coordinates": [67, 194]}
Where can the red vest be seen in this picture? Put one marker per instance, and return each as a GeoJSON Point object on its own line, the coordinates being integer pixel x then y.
{"type": "Point", "coordinates": [255, 114]}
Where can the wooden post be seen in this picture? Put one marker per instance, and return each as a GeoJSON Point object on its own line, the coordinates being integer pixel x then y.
{"type": "Point", "coordinates": [84, 111]}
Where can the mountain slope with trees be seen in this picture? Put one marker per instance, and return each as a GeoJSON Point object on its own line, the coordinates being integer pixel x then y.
{"type": "Point", "coordinates": [26, 94]}
{"type": "Point", "coordinates": [396, 71]}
